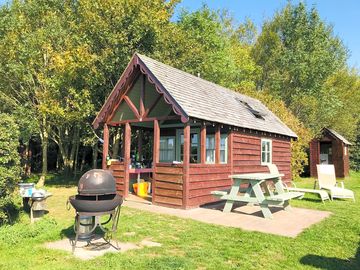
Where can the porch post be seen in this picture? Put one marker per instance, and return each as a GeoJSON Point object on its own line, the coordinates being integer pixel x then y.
{"type": "Point", "coordinates": [217, 144]}
{"type": "Point", "coordinates": [127, 160]}
{"type": "Point", "coordinates": [203, 144]}
{"type": "Point", "coordinates": [186, 164]}
{"type": "Point", "coordinates": [156, 151]}
{"type": "Point", "coordinates": [105, 152]}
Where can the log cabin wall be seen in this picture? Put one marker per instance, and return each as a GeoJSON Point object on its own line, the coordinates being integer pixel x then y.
{"type": "Point", "coordinates": [168, 185]}
{"type": "Point", "coordinates": [338, 158]}
{"type": "Point", "coordinates": [118, 171]}
{"type": "Point", "coordinates": [247, 154]}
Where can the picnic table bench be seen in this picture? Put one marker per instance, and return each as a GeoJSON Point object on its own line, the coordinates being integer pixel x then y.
{"type": "Point", "coordinates": [254, 193]}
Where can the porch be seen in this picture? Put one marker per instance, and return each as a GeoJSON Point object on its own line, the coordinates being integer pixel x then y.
{"type": "Point", "coordinates": [147, 139]}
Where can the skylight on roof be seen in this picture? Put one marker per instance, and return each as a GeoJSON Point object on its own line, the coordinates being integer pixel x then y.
{"type": "Point", "coordinates": [254, 112]}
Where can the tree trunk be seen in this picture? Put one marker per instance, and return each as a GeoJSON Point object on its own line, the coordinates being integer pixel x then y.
{"type": "Point", "coordinates": [44, 135]}
{"type": "Point", "coordinates": [83, 159]}
{"type": "Point", "coordinates": [73, 149]}
{"type": "Point", "coordinates": [95, 154]}
{"type": "Point", "coordinates": [28, 155]}
{"type": "Point", "coordinates": [76, 157]}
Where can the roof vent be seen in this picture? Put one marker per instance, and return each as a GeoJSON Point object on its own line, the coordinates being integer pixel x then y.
{"type": "Point", "coordinates": [254, 112]}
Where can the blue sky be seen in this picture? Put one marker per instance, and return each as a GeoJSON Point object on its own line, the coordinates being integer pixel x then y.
{"type": "Point", "coordinates": [343, 15]}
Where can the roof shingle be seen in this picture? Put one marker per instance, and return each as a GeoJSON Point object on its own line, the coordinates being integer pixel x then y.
{"type": "Point", "coordinates": [208, 101]}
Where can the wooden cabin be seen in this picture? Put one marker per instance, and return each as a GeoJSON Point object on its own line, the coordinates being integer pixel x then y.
{"type": "Point", "coordinates": [186, 135]}
{"type": "Point", "coordinates": [330, 148]}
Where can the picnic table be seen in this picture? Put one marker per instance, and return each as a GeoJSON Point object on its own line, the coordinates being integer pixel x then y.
{"type": "Point", "coordinates": [254, 193]}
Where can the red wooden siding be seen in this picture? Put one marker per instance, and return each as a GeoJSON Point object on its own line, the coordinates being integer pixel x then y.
{"type": "Point", "coordinates": [168, 182]}
{"type": "Point", "coordinates": [247, 154]}
{"type": "Point", "coordinates": [204, 178]}
{"type": "Point", "coordinates": [117, 169]}
{"type": "Point", "coordinates": [340, 161]}
{"type": "Point", "coordinates": [314, 157]}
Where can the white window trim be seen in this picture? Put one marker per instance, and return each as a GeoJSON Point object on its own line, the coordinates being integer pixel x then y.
{"type": "Point", "coordinates": [226, 148]}
{"type": "Point", "coordinates": [345, 150]}
{"type": "Point", "coordinates": [169, 137]}
{"type": "Point", "coordinates": [261, 151]}
{"type": "Point", "coordinates": [208, 162]}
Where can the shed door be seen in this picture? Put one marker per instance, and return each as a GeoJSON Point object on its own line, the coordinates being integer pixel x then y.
{"type": "Point", "coordinates": [325, 153]}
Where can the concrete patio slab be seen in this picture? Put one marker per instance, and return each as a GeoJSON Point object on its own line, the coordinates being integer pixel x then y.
{"type": "Point", "coordinates": [98, 247]}
{"type": "Point", "coordinates": [285, 223]}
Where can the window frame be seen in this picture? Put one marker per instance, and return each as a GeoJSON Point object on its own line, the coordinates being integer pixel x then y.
{"type": "Point", "coordinates": [180, 132]}
{"type": "Point", "coordinates": [263, 140]}
{"type": "Point", "coordinates": [206, 149]}
{"type": "Point", "coordinates": [167, 137]}
{"type": "Point", "coordinates": [226, 148]}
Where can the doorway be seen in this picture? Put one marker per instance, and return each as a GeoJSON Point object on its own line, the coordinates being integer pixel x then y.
{"type": "Point", "coordinates": [326, 153]}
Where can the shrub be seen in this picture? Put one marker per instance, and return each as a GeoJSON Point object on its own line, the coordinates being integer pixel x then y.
{"type": "Point", "coordinates": [9, 164]}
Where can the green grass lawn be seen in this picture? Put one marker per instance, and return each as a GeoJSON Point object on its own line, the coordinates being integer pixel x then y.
{"type": "Point", "coordinates": [187, 244]}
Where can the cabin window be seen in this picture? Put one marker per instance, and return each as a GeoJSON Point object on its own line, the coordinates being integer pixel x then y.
{"type": "Point", "coordinates": [210, 148]}
{"type": "Point", "coordinates": [266, 151]}
{"type": "Point", "coordinates": [223, 148]}
{"type": "Point", "coordinates": [167, 148]}
{"type": "Point", "coordinates": [194, 145]}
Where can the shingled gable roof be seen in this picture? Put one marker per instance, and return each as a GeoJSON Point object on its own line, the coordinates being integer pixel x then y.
{"type": "Point", "coordinates": [337, 135]}
{"type": "Point", "coordinates": [194, 97]}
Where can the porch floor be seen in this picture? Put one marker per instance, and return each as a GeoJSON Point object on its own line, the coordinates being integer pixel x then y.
{"type": "Point", "coordinates": [284, 223]}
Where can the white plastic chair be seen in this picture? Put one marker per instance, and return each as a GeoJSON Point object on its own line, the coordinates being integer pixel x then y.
{"type": "Point", "coordinates": [327, 180]}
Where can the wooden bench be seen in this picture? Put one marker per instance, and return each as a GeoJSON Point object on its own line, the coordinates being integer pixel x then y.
{"type": "Point", "coordinates": [277, 199]}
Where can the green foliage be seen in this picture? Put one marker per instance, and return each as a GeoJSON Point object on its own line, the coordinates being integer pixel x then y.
{"type": "Point", "coordinates": [298, 52]}
{"type": "Point", "coordinates": [343, 92]}
{"type": "Point", "coordinates": [299, 156]}
{"type": "Point", "coordinates": [355, 152]}
{"type": "Point", "coordinates": [207, 43]}
{"type": "Point", "coordinates": [9, 164]}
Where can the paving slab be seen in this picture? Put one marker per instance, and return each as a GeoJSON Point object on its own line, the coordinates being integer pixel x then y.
{"type": "Point", "coordinates": [98, 247]}
{"type": "Point", "coordinates": [285, 223]}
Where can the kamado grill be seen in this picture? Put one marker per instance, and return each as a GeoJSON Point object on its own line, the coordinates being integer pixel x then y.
{"type": "Point", "coordinates": [96, 198]}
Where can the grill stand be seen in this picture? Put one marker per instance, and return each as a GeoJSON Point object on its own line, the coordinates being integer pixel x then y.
{"type": "Point", "coordinates": [108, 233]}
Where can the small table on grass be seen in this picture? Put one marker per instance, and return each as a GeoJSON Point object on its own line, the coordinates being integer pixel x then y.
{"type": "Point", "coordinates": [254, 193]}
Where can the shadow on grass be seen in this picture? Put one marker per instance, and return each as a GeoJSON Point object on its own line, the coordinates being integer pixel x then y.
{"type": "Point", "coordinates": [68, 232]}
{"type": "Point", "coordinates": [332, 263]}
{"type": "Point", "coordinates": [62, 180]}
{"type": "Point", "coordinates": [55, 179]}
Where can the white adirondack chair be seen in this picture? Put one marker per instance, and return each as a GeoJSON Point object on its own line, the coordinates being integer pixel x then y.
{"type": "Point", "coordinates": [327, 180]}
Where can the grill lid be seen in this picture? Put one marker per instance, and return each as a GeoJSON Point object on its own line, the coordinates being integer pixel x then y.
{"type": "Point", "coordinates": [97, 182]}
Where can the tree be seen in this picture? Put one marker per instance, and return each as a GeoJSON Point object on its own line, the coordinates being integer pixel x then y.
{"type": "Point", "coordinates": [9, 164]}
{"type": "Point", "coordinates": [299, 157]}
{"type": "Point", "coordinates": [208, 43]}
{"type": "Point", "coordinates": [34, 36]}
{"type": "Point", "coordinates": [298, 52]}
{"type": "Point", "coordinates": [343, 89]}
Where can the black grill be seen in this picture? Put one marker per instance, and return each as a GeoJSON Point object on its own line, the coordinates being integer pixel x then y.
{"type": "Point", "coordinates": [96, 193]}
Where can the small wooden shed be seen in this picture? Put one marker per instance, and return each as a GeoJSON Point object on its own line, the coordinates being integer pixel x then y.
{"type": "Point", "coordinates": [330, 148]}
{"type": "Point", "coordinates": [191, 134]}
